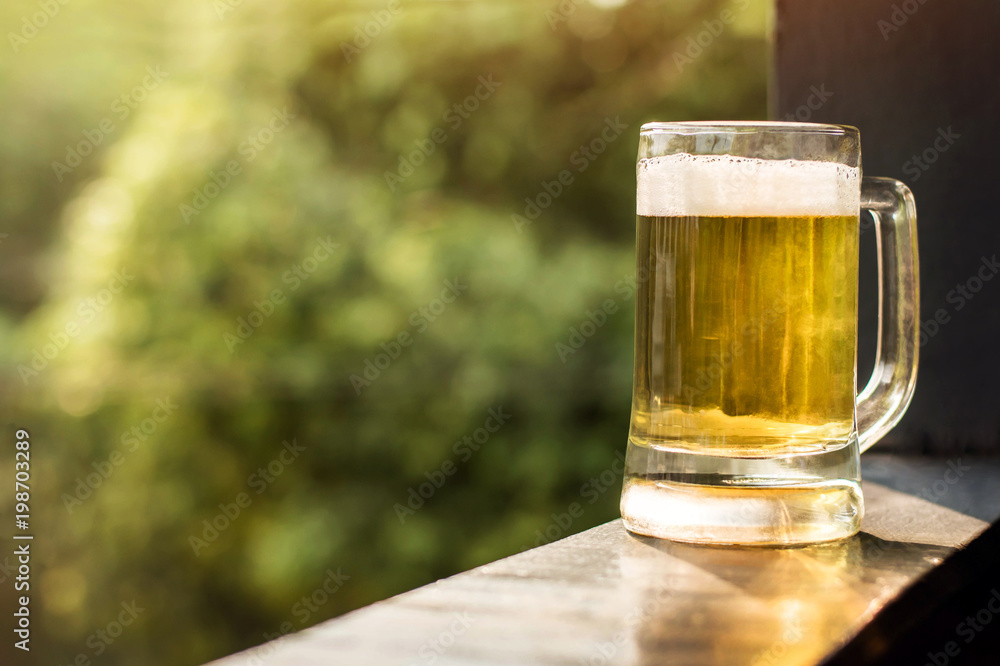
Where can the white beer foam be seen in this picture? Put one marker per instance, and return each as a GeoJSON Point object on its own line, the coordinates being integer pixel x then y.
{"type": "Point", "coordinates": [729, 186]}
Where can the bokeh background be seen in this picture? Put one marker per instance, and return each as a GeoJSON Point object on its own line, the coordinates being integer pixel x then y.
{"type": "Point", "coordinates": [201, 257]}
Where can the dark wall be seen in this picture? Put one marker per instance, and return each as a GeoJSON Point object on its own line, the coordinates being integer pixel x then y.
{"type": "Point", "coordinates": [908, 76]}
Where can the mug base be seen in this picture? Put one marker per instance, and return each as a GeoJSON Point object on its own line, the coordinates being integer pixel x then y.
{"type": "Point", "coordinates": [778, 501]}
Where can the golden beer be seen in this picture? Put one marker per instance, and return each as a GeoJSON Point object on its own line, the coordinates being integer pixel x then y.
{"type": "Point", "coordinates": [746, 427]}
{"type": "Point", "coordinates": [745, 333]}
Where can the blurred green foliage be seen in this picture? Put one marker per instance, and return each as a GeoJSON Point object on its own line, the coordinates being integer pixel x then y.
{"type": "Point", "coordinates": [564, 71]}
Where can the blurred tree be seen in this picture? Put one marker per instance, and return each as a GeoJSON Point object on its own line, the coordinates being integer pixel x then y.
{"type": "Point", "coordinates": [235, 247]}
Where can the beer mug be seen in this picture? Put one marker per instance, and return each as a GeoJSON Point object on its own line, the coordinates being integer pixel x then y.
{"type": "Point", "coordinates": [746, 427]}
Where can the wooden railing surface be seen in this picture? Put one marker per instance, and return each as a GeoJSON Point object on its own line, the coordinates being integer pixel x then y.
{"type": "Point", "coordinates": [605, 596]}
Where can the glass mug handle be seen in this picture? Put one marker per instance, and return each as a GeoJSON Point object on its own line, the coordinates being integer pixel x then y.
{"type": "Point", "coordinates": [882, 403]}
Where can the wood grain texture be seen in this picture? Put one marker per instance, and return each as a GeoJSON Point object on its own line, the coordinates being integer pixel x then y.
{"type": "Point", "coordinates": [607, 597]}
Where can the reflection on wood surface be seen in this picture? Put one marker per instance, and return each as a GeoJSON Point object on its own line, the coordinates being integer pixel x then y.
{"type": "Point", "coordinates": [607, 597]}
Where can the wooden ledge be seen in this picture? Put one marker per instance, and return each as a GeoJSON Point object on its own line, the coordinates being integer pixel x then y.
{"type": "Point", "coordinates": [605, 596]}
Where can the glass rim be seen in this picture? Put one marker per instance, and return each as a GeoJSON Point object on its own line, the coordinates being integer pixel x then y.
{"type": "Point", "coordinates": [693, 127]}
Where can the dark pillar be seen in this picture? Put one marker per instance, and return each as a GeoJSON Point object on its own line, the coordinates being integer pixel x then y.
{"type": "Point", "coordinates": [921, 79]}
